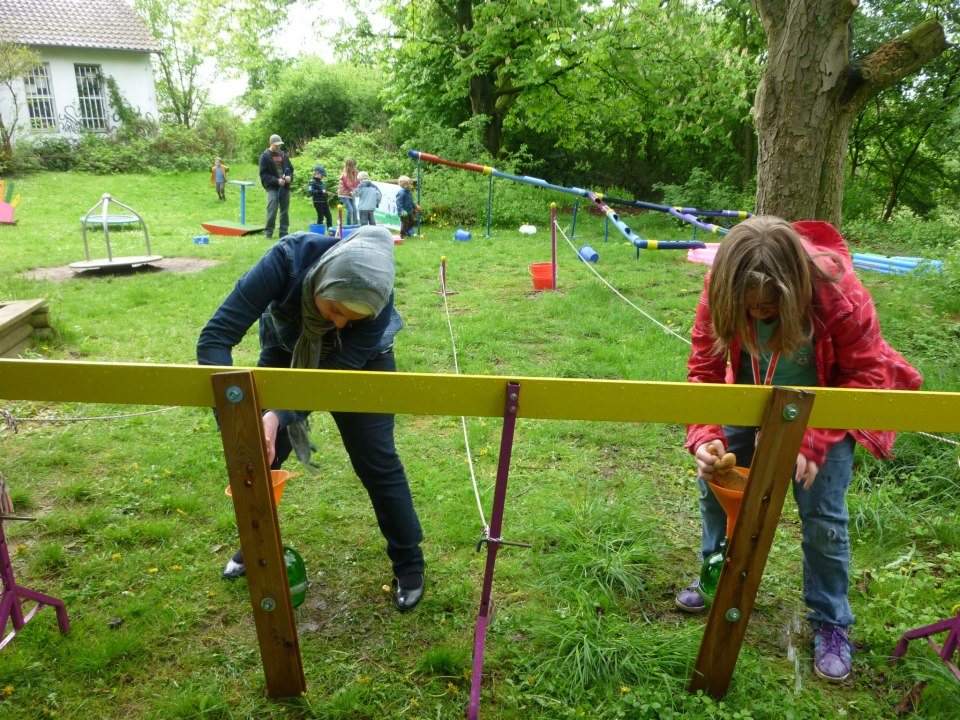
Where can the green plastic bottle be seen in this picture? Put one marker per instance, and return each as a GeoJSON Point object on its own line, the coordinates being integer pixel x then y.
{"type": "Point", "coordinates": [296, 575]}
{"type": "Point", "coordinates": [710, 574]}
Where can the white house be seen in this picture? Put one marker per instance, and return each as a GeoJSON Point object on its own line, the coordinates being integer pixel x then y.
{"type": "Point", "coordinates": [80, 43]}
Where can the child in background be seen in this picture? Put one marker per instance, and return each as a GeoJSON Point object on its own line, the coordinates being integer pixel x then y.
{"type": "Point", "coordinates": [348, 183]}
{"type": "Point", "coordinates": [405, 205]}
{"type": "Point", "coordinates": [218, 176]}
{"type": "Point", "coordinates": [317, 189]}
{"type": "Point", "coordinates": [368, 198]}
{"type": "Point", "coordinates": [783, 304]}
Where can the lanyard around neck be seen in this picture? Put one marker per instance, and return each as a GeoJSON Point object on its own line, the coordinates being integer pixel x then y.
{"type": "Point", "coordinates": [755, 361]}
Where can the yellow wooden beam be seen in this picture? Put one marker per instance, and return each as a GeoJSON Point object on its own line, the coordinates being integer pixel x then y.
{"type": "Point", "coordinates": [471, 395]}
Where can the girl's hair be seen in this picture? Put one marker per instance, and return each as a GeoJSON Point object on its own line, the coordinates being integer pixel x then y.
{"type": "Point", "coordinates": [350, 168]}
{"type": "Point", "coordinates": [764, 255]}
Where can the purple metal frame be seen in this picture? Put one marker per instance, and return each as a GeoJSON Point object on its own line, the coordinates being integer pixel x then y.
{"type": "Point", "coordinates": [494, 541]}
{"type": "Point", "coordinates": [950, 626]}
{"type": "Point", "coordinates": [10, 607]}
{"type": "Point", "coordinates": [443, 280]}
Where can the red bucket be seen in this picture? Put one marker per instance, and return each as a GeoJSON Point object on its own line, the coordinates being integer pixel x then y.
{"type": "Point", "coordinates": [542, 274]}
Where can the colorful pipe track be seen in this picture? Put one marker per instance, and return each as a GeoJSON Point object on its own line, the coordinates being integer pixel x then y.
{"type": "Point", "coordinates": [596, 199]}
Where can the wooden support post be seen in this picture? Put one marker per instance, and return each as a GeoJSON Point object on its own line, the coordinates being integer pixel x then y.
{"type": "Point", "coordinates": [238, 409]}
{"type": "Point", "coordinates": [784, 423]}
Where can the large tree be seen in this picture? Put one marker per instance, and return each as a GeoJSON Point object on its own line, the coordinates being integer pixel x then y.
{"type": "Point", "coordinates": [810, 92]}
{"type": "Point", "coordinates": [236, 34]}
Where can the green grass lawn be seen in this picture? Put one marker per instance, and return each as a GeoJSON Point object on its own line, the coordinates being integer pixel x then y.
{"type": "Point", "coordinates": [133, 525]}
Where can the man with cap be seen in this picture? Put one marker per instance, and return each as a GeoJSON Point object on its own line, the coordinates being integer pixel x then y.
{"type": "Point", "coordinates": [317, 189]}
{"type": "Point", "coordinates": [276, 174]}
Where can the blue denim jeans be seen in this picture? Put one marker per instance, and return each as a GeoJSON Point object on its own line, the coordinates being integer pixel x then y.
{"type": "Point", "coordinates": [278, 200]}
{"type": "Point", "coordinates": [368, 439]}
{"type": "Point", "coordinates": [352, 218]}
{"type": "Point", "coordinates": [824, 526]}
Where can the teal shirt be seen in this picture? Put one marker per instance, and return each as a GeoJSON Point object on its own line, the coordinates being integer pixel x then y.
{"type": "Point", "coordinates": [797, 370]}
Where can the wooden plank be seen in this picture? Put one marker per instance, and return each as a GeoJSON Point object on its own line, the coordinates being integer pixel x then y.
{"type": "Point", "coordinates": [40, 318]}
{"type": "Point", "coordinates": [238, 409]}
{"type": "Point", "coordinates": [19, 348]}
{"type": "Point", "coordinates": [782, 432]}
{"type": "Point", "coordinates": [471, 395]}
{"type": "Point", "coordinates": [14, 311]}
{"type": "Point", "coordinates": [12, 337]}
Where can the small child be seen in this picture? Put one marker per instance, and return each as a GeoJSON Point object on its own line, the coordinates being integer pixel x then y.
{"type": "Point", "coordinates": [783, 306]}
{"type": "Point", "coordinates": [405, 205]}
{"type": "Point", "coordinates": [218, 176]}
{"type": "Point", "coordinates": [368, 198]}
{"type": "Point", "coordinates": [317, 189]}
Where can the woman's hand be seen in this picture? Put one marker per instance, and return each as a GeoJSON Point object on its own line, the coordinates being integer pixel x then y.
{"type": "Point", "coordinates": [271, 425]}
{"type": "Point", "coordinates": [806, 471]}
{"type": "Point", "coordinates": [706, 455]}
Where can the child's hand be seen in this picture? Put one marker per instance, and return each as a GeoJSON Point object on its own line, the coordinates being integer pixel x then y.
{"type": "Point", "coordinates": [706, 455]}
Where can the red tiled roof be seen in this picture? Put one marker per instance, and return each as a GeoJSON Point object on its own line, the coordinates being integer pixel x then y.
{"type": "Point", "coordinates": [108, 24]}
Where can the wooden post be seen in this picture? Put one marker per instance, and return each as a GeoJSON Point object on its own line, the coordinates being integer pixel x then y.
{"type": "Point", "coordinates": [238, 410]}
{"type": "Point", "coordinates": [784, 423]}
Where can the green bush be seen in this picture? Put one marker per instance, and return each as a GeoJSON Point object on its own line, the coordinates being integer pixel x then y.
{"type": "Point", "coordinates": [153, 148]}
{"type": "Point", "coordinates": [314, 99]}
{"type": "Point", "coordinates": [702, 191]}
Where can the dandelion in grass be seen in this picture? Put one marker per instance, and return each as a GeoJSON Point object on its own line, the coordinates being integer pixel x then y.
{"type": "Point", "coordinates": [177, 568]}
{"type": "Point", "coordinates": [181, 512]}
{"type": "Point", "coordinates": [414, 703]}
{"type": "Point", "coordinates": [453, 688]}
{"type": "Point", "coordinates": [8, 691]}
{"type": "Point", "coordinates": [153, 570]}
{"type": "Point", "coordinates": [624, 689]}
{"type": "Point", "coordinates": [116, 557]}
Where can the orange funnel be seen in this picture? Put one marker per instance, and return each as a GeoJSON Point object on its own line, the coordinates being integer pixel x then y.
{"type": "Point", "coordinates": [279, 478]}
{"type": "Point", "coordinates": [728, 497]}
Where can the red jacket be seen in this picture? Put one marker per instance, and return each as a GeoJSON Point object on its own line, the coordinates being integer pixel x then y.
{"type": "Point", "coordinates": [849, 349]}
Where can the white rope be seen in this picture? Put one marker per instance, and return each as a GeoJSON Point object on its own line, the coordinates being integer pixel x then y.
{"type": "Point", "coordinates": [463, 420]}
{"type": "Point", "coordinates": [86, 419]}
{"type": "Point", "coordinates": [936, 437]}
{"type": "Point", "coordinates": [618, 293]}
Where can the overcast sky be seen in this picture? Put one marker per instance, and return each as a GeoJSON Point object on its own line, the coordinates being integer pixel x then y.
{"type": "Point", "coordinates": [302, 35]}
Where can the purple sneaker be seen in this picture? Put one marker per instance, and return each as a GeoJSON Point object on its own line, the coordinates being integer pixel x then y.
{"type": "Point", "coordinates": [832, 653]}
{"type": "Point", "coordinates": [688, 600]}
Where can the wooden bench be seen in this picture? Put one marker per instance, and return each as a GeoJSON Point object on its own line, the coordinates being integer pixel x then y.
{"type": "Point", "coordinates": [22, 321]}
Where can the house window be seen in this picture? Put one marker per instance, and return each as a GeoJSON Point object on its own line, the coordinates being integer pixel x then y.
{"type": "Point", "coordinates": [39, 97]}
{"type": "Point", "coordinates": [93, 107]}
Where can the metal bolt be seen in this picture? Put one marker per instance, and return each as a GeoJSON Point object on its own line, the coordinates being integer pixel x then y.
{"type": "Point", "coordinates": [513, 397]}
{"type": "Point", "coordinates": [268, 604]}
{"type": "Point", "coordinates": [234, 394]}
{"type": "Point", "coordinates": [791, 412]}
{"type": "Point", "coordinates": [732, 615]}
{"type": "Point", "coordinates": [512, 409]}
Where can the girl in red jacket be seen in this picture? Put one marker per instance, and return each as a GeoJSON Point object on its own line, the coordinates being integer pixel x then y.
{"type": "Point", "coordinates": [783, 305]}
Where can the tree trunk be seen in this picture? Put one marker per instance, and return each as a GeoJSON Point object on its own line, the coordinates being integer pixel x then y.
{"type": "Point", "coordinates": [809, 95]}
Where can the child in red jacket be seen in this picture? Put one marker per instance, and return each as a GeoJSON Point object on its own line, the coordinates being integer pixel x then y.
{"type": "Point", "coordinates": [783, 305]}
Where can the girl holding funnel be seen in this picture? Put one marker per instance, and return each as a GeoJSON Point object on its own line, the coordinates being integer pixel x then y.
{"type": "Point", "coordinates": [783, 305]}
{"type": "Point", "coordinates": [327, 304]}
